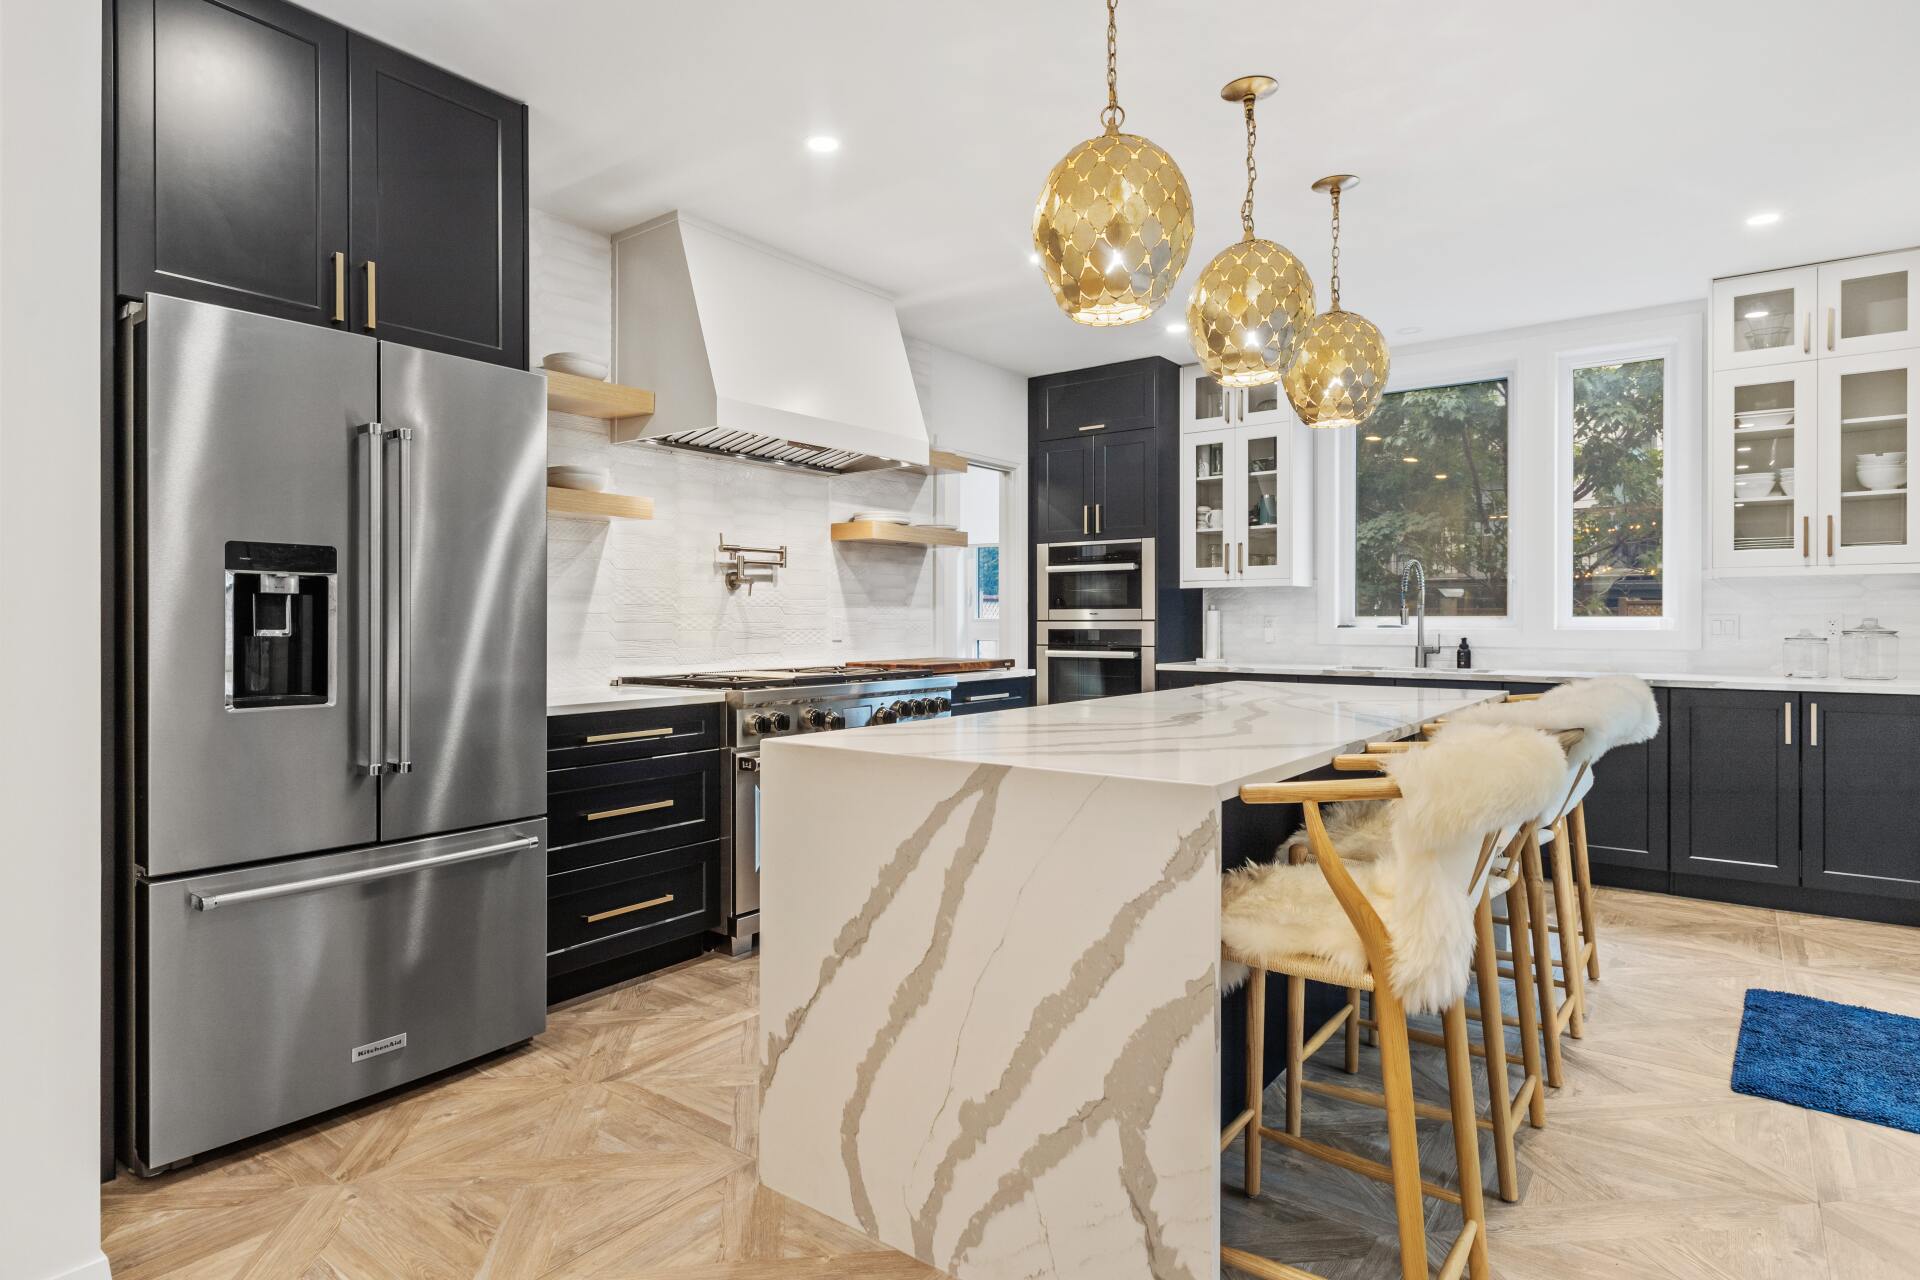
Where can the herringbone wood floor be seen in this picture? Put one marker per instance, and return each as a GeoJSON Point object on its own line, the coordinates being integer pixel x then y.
{"type": "Point", "coordinates": [620, 1144]}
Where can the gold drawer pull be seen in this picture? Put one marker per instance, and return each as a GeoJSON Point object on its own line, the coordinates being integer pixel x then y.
{"type": "Point", "coordinates": [648, 807]}
{"type": "Point", "coordinates": [598, 916]}
{"type": "Point", "coordinates": [630, 735]}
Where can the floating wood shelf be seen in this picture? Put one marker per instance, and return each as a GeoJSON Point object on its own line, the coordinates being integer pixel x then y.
{"type": "Point", "coordinates": [939, 463]}
{"type": "Point", "coordinates": [898, 534]}
{"type": "Point", "coordinates": [568, 393]}
{"type": "Point", "coordinates": [597, 506]}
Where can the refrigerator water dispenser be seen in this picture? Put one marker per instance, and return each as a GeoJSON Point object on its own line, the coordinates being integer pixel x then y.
{"type": "Point", "coordinates": [281, 619]}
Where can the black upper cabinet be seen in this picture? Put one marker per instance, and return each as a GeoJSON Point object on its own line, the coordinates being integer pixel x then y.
{"type": "Point", "coordinates": [1124, 475]}
{"type": "Point", "coordinates": [1735, 778]}
{"type": "Point", "coordinates": [265, 157]}
{"type": "Point", "coordinates": [231, 165]}
{"type": "Point", "coordinates": [1110, 398]}
{"type": "Point", "coordinates": [1063, 491]}
{"type": "Point", "coordinates": [1861, 812]}
{"type": "Point", "coordinates": [439, 216]}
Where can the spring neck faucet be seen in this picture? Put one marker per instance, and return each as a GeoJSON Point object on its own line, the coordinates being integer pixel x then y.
{"type": "Point", "coordinates": [1410, 572]}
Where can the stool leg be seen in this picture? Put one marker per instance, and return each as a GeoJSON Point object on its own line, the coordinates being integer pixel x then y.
{"type": "Point", "coordinates": [1542, 956]}
{"type": "Point", "coordinates": [1256, 1074]}
{"type": "Point", "coordinates": [1583, 881]}
{"type": "Point", "coordinates": [1493, 1032]}
{"type": "Point", "coordinates": [1296, 1046]}
{"type": "Point", "coordinates": [1353, 1031]}
{"type": "Point", "coordinates": [1518, 926]}
{"type": "Point", "coordinates": [1466, 1135]}
{"type": "Point", "coordinates": [1566, 904]}
{"type": "Point", "coordinates": [1403, 1140]}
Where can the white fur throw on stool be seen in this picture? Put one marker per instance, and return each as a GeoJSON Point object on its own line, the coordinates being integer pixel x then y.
{"type": "Point", "coordinates": [1612, 710]}
{"type": "Point", "coordinates": [1484, 778]}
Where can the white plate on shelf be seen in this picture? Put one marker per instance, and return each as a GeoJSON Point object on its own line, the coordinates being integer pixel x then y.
{"type": "Point", "coordinates": [883, 517]}
{"type": "Point", "coordinates": [950, 528]}
{"type": "Point", "coordinates": [1763, 418]}
{"type": "Point", "coordinates": [577, 364]}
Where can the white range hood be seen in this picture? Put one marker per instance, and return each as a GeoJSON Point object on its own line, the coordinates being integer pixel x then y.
{"type": "Point", "coordinates": [754, 354]}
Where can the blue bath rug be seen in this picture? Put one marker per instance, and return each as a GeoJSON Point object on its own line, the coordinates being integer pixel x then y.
{"type": "Point", "coordinates": [1837, 1058]}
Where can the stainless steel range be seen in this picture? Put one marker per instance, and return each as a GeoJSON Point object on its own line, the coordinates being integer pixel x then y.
{"type": "Point", "coordinates": [775, 703]}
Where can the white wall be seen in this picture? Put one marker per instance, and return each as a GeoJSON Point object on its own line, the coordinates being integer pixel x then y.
{"type": "Point", "coordinates": [49, 643]}
{"type": "Point", "coordinates": [639, 596]}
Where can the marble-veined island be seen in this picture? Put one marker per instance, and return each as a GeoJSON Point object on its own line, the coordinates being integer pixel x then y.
{"type": "Point", "coordinates": [989, 1010]}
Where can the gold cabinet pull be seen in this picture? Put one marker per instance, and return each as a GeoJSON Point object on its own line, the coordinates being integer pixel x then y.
{"type": "Point", "coordinates": [1806, 344]}
{"type": "Point", "coordinates": [1094, 426]}
{"type": "Point", "coordinates": [1832, 312]}
{"type": "Point", "coordinates": [1813, 724]}
{"type": "Point", "coordinates": [373, 292]}
{"type": "Point", "coordinates": [630, 735]}
{"type": "Point", "coordinates": [1829, 537]}
{"type": "Point", "coordinates": [1806, 537]}
{"type": "Point", "coordinates": [339, 287]}
{"type": "Point", "coordinates": [598, 916]}
{"type": "Point", "coordinates": [648, 807]}
{"type": "Point", "coordinates": [1096, 517]}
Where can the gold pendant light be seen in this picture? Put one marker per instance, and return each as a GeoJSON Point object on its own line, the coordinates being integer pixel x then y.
{"type": "Point", "coordinates": [1115, 221]}
{"type": "Point", "coordinates": [1341, 370]}
{"type": "Point", "coordinates": [1253, 299]}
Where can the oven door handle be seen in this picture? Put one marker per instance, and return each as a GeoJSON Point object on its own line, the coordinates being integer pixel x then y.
{"type": "Point", "coordinates": [1102, 655]}
{"type": "Point", "coordinates": [1128, 567]}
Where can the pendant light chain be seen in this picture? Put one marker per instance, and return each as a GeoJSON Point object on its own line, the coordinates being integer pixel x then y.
{"type": "Point", "coordinates": [1336, 249]}
{"type": "Point", "coordinates": [1114, 115]}
{"type": "Point", "coordinates": [1246, 206]}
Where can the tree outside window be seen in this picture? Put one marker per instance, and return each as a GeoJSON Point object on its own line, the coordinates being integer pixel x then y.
{"type": "Point", "coordinates": [1619, 484]}
{"type": "Point", "coordinates": [1430, 483]}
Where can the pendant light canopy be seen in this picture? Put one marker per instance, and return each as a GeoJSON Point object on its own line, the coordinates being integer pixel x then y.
{"type": "Point", "coordinates": [1115, 222]}
{"type": "Point", "coordinates": [1341, 370]}
{"type": "Point", "coordinates": [1252, 301]}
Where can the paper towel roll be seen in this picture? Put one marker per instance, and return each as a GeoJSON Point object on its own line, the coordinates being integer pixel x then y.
{"type": "Point", "coordinates": [1210, 637]}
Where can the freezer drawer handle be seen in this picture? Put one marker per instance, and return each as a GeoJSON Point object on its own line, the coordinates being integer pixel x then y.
{"type": "Point", "coordinates": [629, 909]}
{"type": "Point", "coordinates": [630, 735]}
{"type": "Point", "coordinates": [207, 902]}
{"type": "Point", "coordinates": [648, 807]}
{"type": "Point", "coordinates": [1102, 654]}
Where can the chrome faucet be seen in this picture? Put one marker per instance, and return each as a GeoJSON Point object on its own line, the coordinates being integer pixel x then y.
{"type": "Point", "coordinates": [1408, 572]}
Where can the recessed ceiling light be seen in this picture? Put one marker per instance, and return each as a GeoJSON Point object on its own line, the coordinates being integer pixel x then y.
{"type": "Point", "coordinates": [1373, 439]}
{"type": "Point", "coordinates": [1766, 219]}
{"type": "Point", "coordinates": [1439, 475]}
{"type": "Point", "coordinates": [1409, 459]}
{"type": "Point", "coordinates": [1408, 328]}
{"type": "Point", "coordinates": [1177, 326]}
{"type": "Point", "coordinates": [823, 144]}
{"type": "Point", "coordinates": [1761, 314]}
{"type": "Point", "coordinates": [1033, 259]}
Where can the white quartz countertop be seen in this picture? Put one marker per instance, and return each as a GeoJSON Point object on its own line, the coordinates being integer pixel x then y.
{"type": "Point", "coordinates": [1674, 680]}
{"type": "Point", "coordinates": [574, 702]}
{"type": "Point", "coordinates": [1221, 736]}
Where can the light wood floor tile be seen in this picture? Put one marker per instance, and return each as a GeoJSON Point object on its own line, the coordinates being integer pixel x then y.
{"type": "Point", "coordinates": [620, 1144]}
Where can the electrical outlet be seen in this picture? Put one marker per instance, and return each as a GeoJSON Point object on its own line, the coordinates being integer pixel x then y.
{"type": "Point", "coordinates": [1266, 630]}
{"type": "Point", "coordinates": [1723, 626]}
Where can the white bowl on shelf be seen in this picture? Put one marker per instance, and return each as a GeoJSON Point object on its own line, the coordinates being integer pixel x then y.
{"type": "Point", "coordinates": [589, 479]}
{"type": "Point", "coordinates": [576, 363]}
{"type": "Point", "coordinates": [1785, 477]}
{"type": "Point", "coordinates": [1888, 476]}
{"type": "Point", "coordinates": [882, 517]}
{"type": "Point", "coordinates": [1753, 484]}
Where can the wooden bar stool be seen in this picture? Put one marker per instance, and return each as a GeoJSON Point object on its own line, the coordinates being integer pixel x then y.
{"type": "Point", "coordinates": [1403, 928]}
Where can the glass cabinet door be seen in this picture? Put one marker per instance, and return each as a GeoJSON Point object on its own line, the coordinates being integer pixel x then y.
{"type": "Point", "coordinates": [1762, 443]}
{"type": "Point", "coordinates": [1204, 403]}
{"type": "Point", "coordinates": [1866, 409]}
{"type": "Point", "coordinates": [1765, 319]}
{"type": "Point", "coordinates": [1266, 502]}
{"type": "Point", "coordinates": [1868, 304]}
{"type": "Point", "coordinates": [1208, 529]}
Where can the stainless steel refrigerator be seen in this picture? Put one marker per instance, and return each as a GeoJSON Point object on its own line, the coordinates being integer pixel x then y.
{"type": "Point", "coordinates": [335, 732]}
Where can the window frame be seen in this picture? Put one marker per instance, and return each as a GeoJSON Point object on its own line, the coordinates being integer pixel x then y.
{"type": "Point", "coordinates": [953, 586]}
{"type": "Point", "coordinates": [1537, 363]}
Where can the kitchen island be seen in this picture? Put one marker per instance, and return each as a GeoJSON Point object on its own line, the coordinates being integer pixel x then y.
{"type": "Point", "coordinates": [990, 1012]}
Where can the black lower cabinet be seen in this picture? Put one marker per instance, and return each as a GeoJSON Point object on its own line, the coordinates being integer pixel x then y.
{"type": "Point", "coordinates": [1859, 807]}
{"type": "Point", "coordinates": [1735, 785]}
{"type": "Point", "coordinates": [977, 697]}
{"type": "Point", "coordinates": [1627, 809]}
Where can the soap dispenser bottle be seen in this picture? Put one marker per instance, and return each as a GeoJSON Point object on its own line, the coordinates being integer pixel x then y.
{"type": "Point", "coordinates": [1463, 656]}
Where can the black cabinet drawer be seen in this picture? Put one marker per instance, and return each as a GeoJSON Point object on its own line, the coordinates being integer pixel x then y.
{"type": "Point", "coordinates": [630, 905]}
{"type": "Point", "coordinates": [644, 805]}
{"type": "Point", "coordinates": [641, 733]}
{"type": "Point", "coordinates": [973, 697]}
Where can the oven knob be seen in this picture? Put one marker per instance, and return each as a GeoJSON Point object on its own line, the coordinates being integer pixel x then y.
{"type": "Point", "coordinates": [782, 721]}
{"type": "Point", "coordinates": [817, 718]}
{"type": "Point", "coordinates": [835, 720]}
{"type": "Point", "coordinates": [901, 709]}
{"type": "Point", "coordinates": [759, 722]}
{"type": "Point", "coordinates": [884, 715]}
{"type": "Point", "coordinates": [942, 705]}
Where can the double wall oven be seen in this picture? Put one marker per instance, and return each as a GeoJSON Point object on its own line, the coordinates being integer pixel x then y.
{"type": "Point", "coordinates": [1094, 624]}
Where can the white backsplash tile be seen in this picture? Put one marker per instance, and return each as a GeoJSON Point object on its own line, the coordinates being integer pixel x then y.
{"type": "Point", "coordinates": [629, 596]}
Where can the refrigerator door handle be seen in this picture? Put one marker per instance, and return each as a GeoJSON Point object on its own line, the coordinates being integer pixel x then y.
{"type": "Point", "coordinates": [403, 614]}
{"type": "Point", "coordinates": [208, 902]}
{"type": "Point", "coordinates": [375, 598]}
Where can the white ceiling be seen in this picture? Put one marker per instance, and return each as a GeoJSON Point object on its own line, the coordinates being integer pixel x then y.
{"type": "Point", "coordinates": [1522, 161]}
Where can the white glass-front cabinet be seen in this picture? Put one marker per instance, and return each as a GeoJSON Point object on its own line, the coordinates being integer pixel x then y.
{"type": "Point", "coordinates": [1809, 464]}
{"type": "Point", "coordinates": [1869, 304]}
{"type": "Point", "coordinates": [1765, 319]}
{"type": "Point", "coordinates": [1245, 487]}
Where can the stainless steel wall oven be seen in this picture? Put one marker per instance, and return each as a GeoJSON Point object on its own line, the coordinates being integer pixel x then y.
{"type": "Point", "coordinates": [1104, 581]}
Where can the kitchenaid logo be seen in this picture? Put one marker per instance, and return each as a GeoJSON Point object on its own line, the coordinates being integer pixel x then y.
{"type": "Point", "coordinates": [378, 1047]}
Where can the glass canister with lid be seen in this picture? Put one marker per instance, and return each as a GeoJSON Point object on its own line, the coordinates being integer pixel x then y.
{"type": "Point", "coordinates": [1806, 656]}
{"type": "Point", "coordinates": [1869, 651]}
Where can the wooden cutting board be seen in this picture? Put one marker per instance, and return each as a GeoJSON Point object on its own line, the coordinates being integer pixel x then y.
{"type": "Point", "coordinates": [937, 666]}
